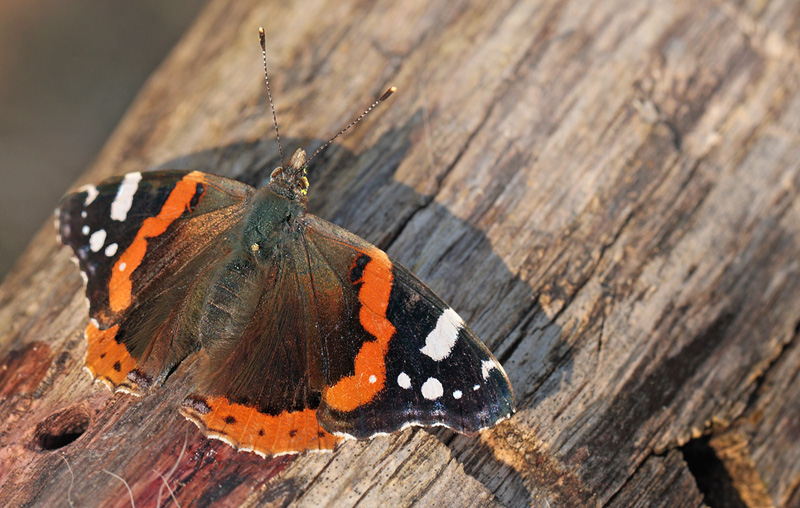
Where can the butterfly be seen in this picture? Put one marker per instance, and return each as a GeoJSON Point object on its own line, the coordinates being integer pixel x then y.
{"type": "Point", "coordinates": [304, 333]}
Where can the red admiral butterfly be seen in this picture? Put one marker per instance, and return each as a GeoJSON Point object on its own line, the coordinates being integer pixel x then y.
{"type": "Point", "coordinates": [306, 333]}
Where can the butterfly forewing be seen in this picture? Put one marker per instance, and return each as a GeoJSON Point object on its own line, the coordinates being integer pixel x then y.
{"type": "Point", "coordinates": [142, 240]}
{"type": "Point", "coordinates": [405, 357]}
{"type": "Point", "coordinates": [139, 224]}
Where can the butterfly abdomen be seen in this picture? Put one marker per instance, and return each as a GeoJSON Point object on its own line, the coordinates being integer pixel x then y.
{"type": "Point", "coordinates": [230, 300]}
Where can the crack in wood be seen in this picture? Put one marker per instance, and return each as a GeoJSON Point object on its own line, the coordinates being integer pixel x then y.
{"type": "Point", "coordinates": [761, 378]}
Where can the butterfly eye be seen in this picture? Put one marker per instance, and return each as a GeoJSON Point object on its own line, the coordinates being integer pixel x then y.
{"type": "Point", "coordinates": [302, 184]}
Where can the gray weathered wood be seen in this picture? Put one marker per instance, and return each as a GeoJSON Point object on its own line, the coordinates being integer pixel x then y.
{"type": "Point", "coordinates": [605, 190]}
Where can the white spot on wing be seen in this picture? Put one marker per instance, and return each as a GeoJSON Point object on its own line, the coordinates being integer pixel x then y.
{"type": "Point", "coordinates": [404, 381]}
{"type": "Point", "coordinates": [486, 367]}
{"type": "Point", "coordinates": [122, 266]}
{"type": "Point", "coordinates": [124, 198]}
{"type": "Point", "coordinates": [83, 214]}
{"type": "Point", "coordinates": [441, 340]}
{"type": "Point", "coordinates": [372, 379]}
{"type": "Point", "coordinates": [97, 240]}
{"type": "Point", "coordinates": [475, 388]}
{"type": "Point", "coordinates": [111, 250]}
{"type": "Point", "coordinates": [85, 230]}
{"type": "Point", "coordinates": [91, 193]}
{"type": "Point", "coordinates": [457, 394]}
{"type": "Point", "coordinates": [432, 389]}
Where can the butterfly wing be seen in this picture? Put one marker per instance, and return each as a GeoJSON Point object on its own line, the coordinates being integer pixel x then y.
{"type": "Point", "coordinates": [404, 357]}
{"type": "Point", "coordinates": [263, 385]}
{"type": "Point", "coordinates": [141, 241]}
{"type": "Point", "coordinates": [343, 341]}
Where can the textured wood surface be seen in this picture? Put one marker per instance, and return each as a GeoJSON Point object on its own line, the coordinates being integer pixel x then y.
{"type": "Point", "coordinates": [605, 190]}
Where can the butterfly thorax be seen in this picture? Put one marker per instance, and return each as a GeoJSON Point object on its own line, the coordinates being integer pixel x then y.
{"type": "Point", "coordinates": [276, 207]}
{"type": "Point", "coordinates": [273, 218]}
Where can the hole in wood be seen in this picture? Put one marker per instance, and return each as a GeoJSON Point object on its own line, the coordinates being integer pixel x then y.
{"type": "Point", "coordinates": [61, 428]}
{"type": "Point", "coordinates": [710, 474]}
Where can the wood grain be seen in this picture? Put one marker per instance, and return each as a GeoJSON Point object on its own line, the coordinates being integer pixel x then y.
{"type": "Point", "coordinates": [605, 190]}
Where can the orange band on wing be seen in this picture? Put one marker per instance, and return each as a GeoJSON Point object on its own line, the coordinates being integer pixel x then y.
{"type": "Point", "coordinates": [370, 364]}
{"type": "Point", "coordinates": [120, 287]}
{"type": "Point", "coordinates": [107, 359]}
{"type": "Point", "coordinates": [249, 430]}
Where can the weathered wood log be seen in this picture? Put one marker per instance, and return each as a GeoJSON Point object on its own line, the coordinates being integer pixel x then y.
{"type": "Point", "coordinates": [605, 190]}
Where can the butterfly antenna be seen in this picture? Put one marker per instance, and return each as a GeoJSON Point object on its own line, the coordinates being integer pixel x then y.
{"type": "Point", "coordinates": [382, 98]}
{"type": "Point", "coordinates": [262, 38]}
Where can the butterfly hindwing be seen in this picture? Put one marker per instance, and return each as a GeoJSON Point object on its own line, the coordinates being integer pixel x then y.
{"type": "Point", "coordinates": [140, 240]}
{"type": "Point", "coordinates": [263, 361]}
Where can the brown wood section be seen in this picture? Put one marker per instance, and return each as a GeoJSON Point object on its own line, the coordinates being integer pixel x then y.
{"type": "Point", "coordinates": [606, 191]}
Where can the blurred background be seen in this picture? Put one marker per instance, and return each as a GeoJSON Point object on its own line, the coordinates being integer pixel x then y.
{"type": "Point", "coordinates": [68, 71]}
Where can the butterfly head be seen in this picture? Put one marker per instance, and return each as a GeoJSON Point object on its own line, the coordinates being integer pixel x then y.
{"type": "Point", "coordinates": [292, 178]}
{"type": "Point", "coordinates": [290, 181]}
